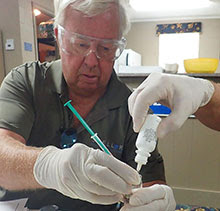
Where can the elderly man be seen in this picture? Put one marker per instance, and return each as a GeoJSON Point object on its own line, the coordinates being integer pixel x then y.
{"type": "Point", "coordinates": [34, 124]}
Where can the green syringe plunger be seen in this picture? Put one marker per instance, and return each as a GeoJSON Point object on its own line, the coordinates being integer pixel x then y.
{"type": "Point", "coordinates": [94, 136]}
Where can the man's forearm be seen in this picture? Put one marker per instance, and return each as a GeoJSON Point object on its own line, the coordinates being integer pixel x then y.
{"type": "Point", "coordinates": [209, 114]}
{"type": "Point", "coordinates": [16, 163]}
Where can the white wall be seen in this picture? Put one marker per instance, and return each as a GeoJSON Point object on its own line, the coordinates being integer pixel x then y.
{"type": "Point", "coordinates": [192, 163]}
{"type": "Point", "coordinates": [10, 28]}
{"type": "Point", "coordinates": [26, 29]}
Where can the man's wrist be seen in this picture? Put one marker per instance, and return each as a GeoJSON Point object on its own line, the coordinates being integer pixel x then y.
{"type": "Point", "coordinates": [160, 182]}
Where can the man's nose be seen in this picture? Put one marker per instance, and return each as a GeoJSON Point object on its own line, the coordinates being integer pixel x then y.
{"type": "Point", "coordinates": [91, 59]}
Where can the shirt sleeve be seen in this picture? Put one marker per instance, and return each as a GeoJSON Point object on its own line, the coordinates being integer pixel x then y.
{"type": "Point", "coordinates": [16, 109]}
{"type": "Point", "coordinates": [154, 169]}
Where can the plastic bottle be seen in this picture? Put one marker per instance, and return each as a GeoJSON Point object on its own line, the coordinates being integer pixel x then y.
{"type": "Point", "coordinates": [147, 140]}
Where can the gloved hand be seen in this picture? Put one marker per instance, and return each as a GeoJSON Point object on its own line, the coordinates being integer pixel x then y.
{"type": "Point", "coordinates": [183, 94]}
{"type": "Point", "coordinates": [153, 198]}
{"type": "Point", "coordinates": [83, 173]}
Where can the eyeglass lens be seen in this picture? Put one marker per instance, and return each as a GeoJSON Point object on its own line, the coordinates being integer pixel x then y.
{"type": "Point", "coordinates": [80, 45]}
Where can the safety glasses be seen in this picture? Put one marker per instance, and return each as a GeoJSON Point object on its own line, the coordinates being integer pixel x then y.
{"type": "Point", "coordinates": [78, 44]}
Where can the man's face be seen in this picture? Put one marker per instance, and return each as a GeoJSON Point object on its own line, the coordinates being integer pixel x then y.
{"type": "Point", "coordinates": [88, 74]}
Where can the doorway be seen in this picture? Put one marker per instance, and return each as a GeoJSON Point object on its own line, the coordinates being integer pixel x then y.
{"type": "Point", "coordinates": [47, 49]}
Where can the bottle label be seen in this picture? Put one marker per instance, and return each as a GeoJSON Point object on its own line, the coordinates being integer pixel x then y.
{"type": "Point", "coordinates": [149, 135]}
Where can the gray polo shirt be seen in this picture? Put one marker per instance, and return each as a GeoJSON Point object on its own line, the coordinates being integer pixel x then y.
{"type": "Point", "coordinates": [32, 98]}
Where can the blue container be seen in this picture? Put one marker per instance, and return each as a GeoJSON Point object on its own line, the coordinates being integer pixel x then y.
{"type": "Point", "coordinates": [160, 109]}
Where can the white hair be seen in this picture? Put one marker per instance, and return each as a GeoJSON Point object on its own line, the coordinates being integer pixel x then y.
{"type": "Point", "coordinates": [92, 8]}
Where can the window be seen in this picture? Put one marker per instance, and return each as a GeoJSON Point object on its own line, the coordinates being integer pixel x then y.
{"type": "Point", "coordinates": [174, 48]}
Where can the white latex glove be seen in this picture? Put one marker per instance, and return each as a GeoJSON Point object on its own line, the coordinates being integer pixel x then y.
{"type": "Point", "coordinates": [153, 198]}
{"type": "Point", "coordinates": [83, 173]}
{"type": "Point", "coordinates": [183, 94]}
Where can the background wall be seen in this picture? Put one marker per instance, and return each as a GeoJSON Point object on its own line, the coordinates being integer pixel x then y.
{"type": "Point", "coordinates": [192, 162]}
{"type": "Point", "coordinates": [16, 22]}
{"type": "Point", "coordinates": [2, 70]}
{"type": "Point", "coordinates": [143, 39]}
{"type": "Point", "coordinates": [10, 28]}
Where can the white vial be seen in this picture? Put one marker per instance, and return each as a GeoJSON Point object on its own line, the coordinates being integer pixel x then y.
{"type": "Point", "coordinates": [147, 140]}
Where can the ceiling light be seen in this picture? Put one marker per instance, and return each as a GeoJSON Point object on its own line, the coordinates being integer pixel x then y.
{"type": "Point", "coordinates": [162, 5]}
{"type": "Point", "coordinates": [37, 12]}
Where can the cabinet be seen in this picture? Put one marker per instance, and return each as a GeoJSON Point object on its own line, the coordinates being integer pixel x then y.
{"type": "Point", "coordinates": [133, 80]}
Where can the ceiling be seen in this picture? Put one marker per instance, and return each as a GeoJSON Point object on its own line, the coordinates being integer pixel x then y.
{"type": "Point", "coordinates": [210, 12]}
{"type": "Point", "coordinates": [213, 11]}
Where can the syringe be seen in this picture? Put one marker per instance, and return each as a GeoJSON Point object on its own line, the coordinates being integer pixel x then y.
{"type": "Point", "coordinates": [94, 136]}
